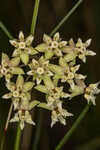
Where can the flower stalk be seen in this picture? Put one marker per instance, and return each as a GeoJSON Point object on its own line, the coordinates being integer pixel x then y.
{"type": "Point", "coordinates": [38, 130]}
{"type": "Point", "coordinates": [8, 119]}
{"type": "Point", "coordinates": [18, 135]}
{"type": "Point", "coordinates": [35, 14]}
{"type": "Point", "coordinates": [5, 30]}
{"type": "Point", "coordinates": [73, 128]}
{"type": "Point", "coordinates": [66, 17]}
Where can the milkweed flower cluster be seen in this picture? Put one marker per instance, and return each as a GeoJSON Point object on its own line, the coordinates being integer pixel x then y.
{"type": "Point", "coordinates": [45, 68]}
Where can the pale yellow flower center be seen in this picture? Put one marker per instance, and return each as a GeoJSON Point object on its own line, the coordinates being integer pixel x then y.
{"type": "Point", "coordinates": [15, 93]}
{"type": "Point", "coordinates": [54, 44]}
{"type": "Point", "coordinates": [71, 75]}
{"type": "Point", "coordinates": [56, 96]}
{"type": "Point", "coordinates": [22, 45]}
{"type": "Point", "coordinates": [4, 71]}
{"type": "Point", "coordinates": [40, 70]}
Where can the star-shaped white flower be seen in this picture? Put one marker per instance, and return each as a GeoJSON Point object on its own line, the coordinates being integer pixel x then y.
{"type": "Point", "coordinates": [90, 93]}
{"type": "Point", "coordinates": [59, 114]}
{"type": "Point", "coordinates": [82, 49]}
{"type": "Point", "coordinates": [23, 47]}
{"type": "Point", "coordinates": [9, 67]}
{"type": "Point", "coordinates": [52, 46]}
{"type": "Point", "coordinates": [22, 116]}
{"type": "Point", "coordinates": [39, 69]}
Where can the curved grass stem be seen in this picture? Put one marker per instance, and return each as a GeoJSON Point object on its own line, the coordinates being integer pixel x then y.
{"type": "Point", "coordinates": [66, 17]}
{"type": "Point", "coordinates": [8, 118]}
{"type": "Point", "coordinates": [73, 128]}
{"type": "Point", "coordinates": [38, 131]}
{"type": "Point", "coordinates": [6, 31]}
{"type": "Point", "coordinates": [18, 135]}
{"type": "Point", "coordinates": [35, 14]}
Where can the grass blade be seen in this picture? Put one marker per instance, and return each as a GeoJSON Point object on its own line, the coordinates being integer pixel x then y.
{"type": "Point", "coordinates": [35, 14]}
{"type": "Point", "coordinates": [18, 135]}
{"type": "Point", "coordinates": [66, 17]}
{"type": "Point", "coordinates": [73, 128]}
{"type": "Point", "coordinates": [6, 31]}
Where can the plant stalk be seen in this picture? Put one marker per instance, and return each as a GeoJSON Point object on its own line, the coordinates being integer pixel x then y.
{"type": "Point", "coordinates": [38, 131]}
{"type": "Point", "coordinates": [35, 14]}
{"type": "Point", "coordinates": [8, 118]}
{"type": "Point", "coordinates": [6, 31]}
{"type": "Point", "coordinates": [66, 17]}
{"type": "Point", "coordinates": [18, 135]}
{"type": "Point", "coordinates": [73, 128]}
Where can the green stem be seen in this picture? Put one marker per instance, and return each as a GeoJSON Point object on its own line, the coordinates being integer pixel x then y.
{"type": "Point", "coordinates": [2, 142]}
{"type": "Point", "coordinates": [66, 17]}
{"type": "Point", "coordinates": [18, 135]}
{"type": "Point", "coordinates": [5, 30]}
{"type": "Point", "coordinates": [38, 131]}
{"type": "Point", "coordinates": [35, 14]}
{"type": "Point", "coordinates": [75, 125]}
{"type": "Point", "coordinates": [8, 118]}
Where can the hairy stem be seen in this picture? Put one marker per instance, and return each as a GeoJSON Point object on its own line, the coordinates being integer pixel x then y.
{"type": "Point", "coordinates": [66, 17]}
{"type": "Point", "coordinates": [73, 128]}
{"type": "Point", "coordinates": [35, 14]}
{"type": "Point", "coordinates": [18, 135]}
{"type": "Point", "coordinates": [6, 31]}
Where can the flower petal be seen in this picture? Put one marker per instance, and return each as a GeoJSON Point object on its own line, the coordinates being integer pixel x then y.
{"type": "Point", "coordinates": [29, 40]}
{"type": "Point", "coordinates": [20, 82]}
{"type": "Point", "coordinates": [33, 104]}
{"type": "Point", "coordinates": [16, 70]}
{"type": "Point", "coordinates": [90, 53]}
{"type": "Point", "coordinates": [49, 54]}
{"type": "Point", "coordinates": [5, 60]}
{"type": "Point", "coordinates": [62, 44]}
{"type": "Point", "coordinates": [24, 58]}
{"type": "Point", "coordinates": [21, 36]}
{"type": "Point", "coordinates": [31, 51]}
{"type": "Point", "coordinates": [56, 36]}
{"type": "Point", "coordinates": [28, 86]}
{"type": "Point", "coordinates": [47, 39]}
{"type": "Point", "coordinates": [7, 96]}
{"type": "Point", "coordinates": [41, 47]}
{"type": "Point", "coordinates": [14, 43]}
{"type": "Point", "coordinates": [41, 88]}
{"type": "Point", "coordinates": [15, 61]}
{"type": "Point", "coordinates": [48, 82]}
{"type": "Point", "coordinates": [16, 52]}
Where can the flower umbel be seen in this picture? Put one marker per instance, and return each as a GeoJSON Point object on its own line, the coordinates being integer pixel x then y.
{"type": "Point", "coordinates": [53, 65]}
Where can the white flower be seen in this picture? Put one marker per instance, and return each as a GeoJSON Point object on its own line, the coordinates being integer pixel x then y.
{"type": "Point", "coordinates": [9, 67]}
{"type": "Point", "coordinates": [19, 91]}
{"type": "Point", "coordinates": [90, 93]}
{"type": "Point", "coordinates": [22, 116]}
{"type": "Point", "coordinates": [52, 46]}
{"type": "Point", "coordinates": [23, 47]}
{"type": "Point", "coordinates": [39, 69]}
{"type": "Point", "coordinates": [82, 49]}
{"type": "Point", "coordinates": [59, 114]}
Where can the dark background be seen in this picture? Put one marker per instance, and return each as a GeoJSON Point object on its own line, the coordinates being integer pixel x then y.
{"type": "Point", "coordinates": [84, 23]}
